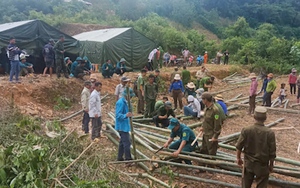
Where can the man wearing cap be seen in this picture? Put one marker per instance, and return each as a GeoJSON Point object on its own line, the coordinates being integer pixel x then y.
{"type": "Point", "coordinates": [219, 99]}
{"type": "Point", "coordinates": [211, 126]}
{"type": "Point", "coordinates": [121, 87]}
{"type": "Point", "coordinates": [80, 71]}
{"type": "Point", "coordinates": [107, 69]}
{"type": "Point", "coordinates": [259, 147]}
{"type": "Point", "coordinates": [270, 89]}
{"type": "Point", "coordinates": [206, 83]}
{"type": "Point", "coordinates": [26, 68]}
{"type": "Point", "coordinates": [158, 104]}
{"type": "Point", "coordinates": [292, 81]}
{"type": "Point", "coordinates": [193, 108]}
{"type": "Point", "coordinates": [59, 57]}
{"type": "Point", "coordinates": [13, 56]}
{"type": "Point", "coordinates": [186, 76]}
{"type": "Point", "coordinates": [187, 136]}
{"type": "Point", "coordinates": [95, 111]}
{"type": "Point", "coordinates": [252, 93]}
{"type": "Point", "coordinates": [85, 96]}
{"type": "Point", "coordinates": [150, 94]}
{"type": "Point", "coordinates": [49, 57]}
{"type": "Point", "coordinates": [121, 67]}
{"type": "Point", "coordinates": [163, 114]}
{"type": "Point", "coordinates": [123, 126]}
{"type": "Point", "coordinates": [140, 88]}
{"type": "Point", "coordinates": [77, 62]}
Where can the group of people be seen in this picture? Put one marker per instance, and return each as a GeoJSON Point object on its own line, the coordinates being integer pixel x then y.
{"type": "Point", "coordinates": [17, 58]}
{"type": "Point", "coordinates": [268, 88]}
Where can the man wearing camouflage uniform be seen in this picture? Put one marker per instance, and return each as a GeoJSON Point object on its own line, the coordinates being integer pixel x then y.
{"type": "Point", "coordinates": [259, 147]}
{"type": "Point", "coordinates": [59, 57]}
{"type": "Point", "coordinates": [150, 95]}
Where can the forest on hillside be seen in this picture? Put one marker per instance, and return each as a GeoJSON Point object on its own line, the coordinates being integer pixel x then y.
{"type": "Point", "coordinates": [263, 33]}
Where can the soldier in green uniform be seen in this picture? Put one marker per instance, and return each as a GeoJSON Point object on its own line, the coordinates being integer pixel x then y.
{"type": "Point", "coordinates": [151, 90]}
{"type": "Point", "coordinates": [107, 69]}
{"type": "Point", "coordinates": [206, 83]}
{"type": "Point", "coordinates": [186, 76]}
{"type": "Point", "coordinates": [211, 126]}
{"type": "Point", "coordinates": [176, 71]}
{"type": "Point", "coordinates": [187, 136]}
{"type": "Point", "coordinates": [163, 114]}
{"type": "Point", "coordinates": [259, 147]}
{"type": "Point", "coordinates": [59, 57]}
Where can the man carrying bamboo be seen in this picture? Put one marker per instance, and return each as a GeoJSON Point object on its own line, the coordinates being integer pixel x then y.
{"type": "Point", "coordinates": [259, 147]}
{"type": "Point", "coordinates": [184, 143]}
{"type": "Point", "coordinates": [211, 127]}
{"type": "Point", "coordinates": [123, 125]}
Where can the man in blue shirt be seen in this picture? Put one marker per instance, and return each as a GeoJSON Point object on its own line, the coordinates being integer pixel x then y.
{"type": "Point", "coordinates": [187, 136]}
{"type": "Point", "coordinates": [49, 57]}
{"type": "Point", "coordinates": [121, 67]}
{"type": "Point", "coordinates": [219, 99]}
{"type": "Point", "coordinates": [26, 68]}
{"type": "Point", "coordinates": [123, 126]}
{"type": "Point", "coordinates": [264, 89]}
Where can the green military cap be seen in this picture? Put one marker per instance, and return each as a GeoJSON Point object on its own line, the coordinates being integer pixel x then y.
{"type": "Point", "coordinates": [260, 112]}
{"type": "Point", "coordinates": [173, 123]}
{"type": "Point", "coordinates": [206, 95]}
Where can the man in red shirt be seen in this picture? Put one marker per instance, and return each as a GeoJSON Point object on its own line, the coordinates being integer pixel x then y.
{"type": "Point", "coordinates": [292, 81]}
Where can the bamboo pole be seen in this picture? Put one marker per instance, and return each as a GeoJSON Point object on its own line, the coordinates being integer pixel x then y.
{"type": "Point", "coordinates": [71, 116]}
{"type": "Point", "coordinates": [214, 182]}
{"type": "Point", "coordinates": [130, 120]}
{"type": "Point", "coordinates": [152, 127]}
{"type": "Point", "coordinates": [154, 138]}
{"type": "Point", "coordinates": [224, 90]}
{"type": "Point", "coordinates": [145, 175]}
{"type": "Point", "coordinates": [117, 134]}
{"type": "Point", "coordinates": [296, 104]}
{"type": "Point", "coordinates": [237, 134]}
{"type": "Point", "coordinates": [147, 140]}
{"type": "Point", "coordinates": [151, 119]}
{"type": "Point", "coordinates": [279, 159]}
{"type": "Point", "coordinates": [286, 103]}
{"type": "Point", "coordinates": [242, 98]}
{"type": "Point", "coordinates": [142, 165]}
{"type": "Point", "coordinates": [230, 76]}
{"type": "Point", "coordinates": [275, 109]}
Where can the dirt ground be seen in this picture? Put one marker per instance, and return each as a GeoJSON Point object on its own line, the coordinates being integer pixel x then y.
{"type": "Point", "coordinates": [36, 96]}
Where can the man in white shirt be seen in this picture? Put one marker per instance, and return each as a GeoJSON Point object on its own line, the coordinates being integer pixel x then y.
{"type": "Point", "coordinates": [85, 97]}
{"type": "Point", "coordinates": [121, 87]}
{"type": "Point", "coordinates": [95, 111]}
{"type": "Point", "coordinates": [193, 108]}
{"type": "Point", "coordinates": [150, 60]}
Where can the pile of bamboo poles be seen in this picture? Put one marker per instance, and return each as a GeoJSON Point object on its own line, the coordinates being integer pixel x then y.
{"type": "Point", "coordinates": [152, 138]}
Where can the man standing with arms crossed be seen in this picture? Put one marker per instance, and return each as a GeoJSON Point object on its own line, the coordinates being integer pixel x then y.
{"type": "Point", "coordinates": [59, 57]}
{"type": "Point", "coordinates": [259, 147]}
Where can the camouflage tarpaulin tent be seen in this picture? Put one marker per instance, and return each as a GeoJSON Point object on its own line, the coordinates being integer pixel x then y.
{"type": "Point", "coordinates": [114, 44]}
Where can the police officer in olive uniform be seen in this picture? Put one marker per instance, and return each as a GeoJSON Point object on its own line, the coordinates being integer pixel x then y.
{"type": "Point", "coordinates": [151, 90]}
{"type": "Point", "coordinates": [259, 147]}
{"type": "Point", "coordinates": [211, 126]}
{"type": "Point", "coordinates": [187, 136]}
{"type": "Point", "coordinates": [59, 57]}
